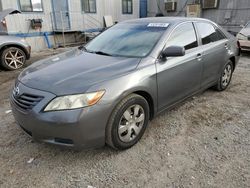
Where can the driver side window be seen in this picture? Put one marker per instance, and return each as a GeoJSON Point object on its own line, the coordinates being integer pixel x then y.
{"type": "Point", "coordinates": [184, 36]}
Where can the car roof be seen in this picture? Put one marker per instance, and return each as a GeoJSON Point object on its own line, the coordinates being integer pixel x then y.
{"type": "Point", "coordinates": [170, 20]}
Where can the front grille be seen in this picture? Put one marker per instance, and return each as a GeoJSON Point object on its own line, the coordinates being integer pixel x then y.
{"type": "Point", "coordinates": [26, 101]}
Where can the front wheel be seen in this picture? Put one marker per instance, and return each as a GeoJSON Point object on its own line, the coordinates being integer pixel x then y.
{"type": "Point", "coordinates": [13, 58]}
{"type": "Point", "coordinates": [225, 77]}
{"type": "Point", "coordinates": [127, 122]}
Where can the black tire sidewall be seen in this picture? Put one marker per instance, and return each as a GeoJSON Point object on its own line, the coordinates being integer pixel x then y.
{"type": "Point", "coordinates": [115, 137]}
{"type": "Point", "coordinates": [3, 53]}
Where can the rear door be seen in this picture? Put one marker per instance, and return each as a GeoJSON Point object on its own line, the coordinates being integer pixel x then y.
{"type": "Point", "coordinates": [178, 77]}
{"type": "Point", "coordinates": [214, 52]}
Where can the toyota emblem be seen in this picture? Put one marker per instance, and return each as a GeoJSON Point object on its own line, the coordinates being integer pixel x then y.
{"type": "Point", "coordinates": [16, 91]}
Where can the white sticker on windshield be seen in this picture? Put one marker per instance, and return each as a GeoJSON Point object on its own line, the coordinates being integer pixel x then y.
{"type": "Point", "coordinates": [158, 24]}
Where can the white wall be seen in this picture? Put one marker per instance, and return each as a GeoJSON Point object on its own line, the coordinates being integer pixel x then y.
{"type": "Point", "coordinates": [104, 7]}
{"type": "Point", "coordinates": [153, 7]}
{"type": "Point", "coordinates": [20, 23]}
{"type": "Point", "coordinates": [80, 21]}
{"type": "Point", "coordinates": [9, 4]}
{"type": "Point", "coordinates": [116, 10]}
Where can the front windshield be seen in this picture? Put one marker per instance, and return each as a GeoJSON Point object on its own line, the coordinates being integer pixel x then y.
{"type": "Point", "coordinates": [127, 40]}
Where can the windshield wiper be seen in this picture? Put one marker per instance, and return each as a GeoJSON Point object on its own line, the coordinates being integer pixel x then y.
{"type": "Point", "coordinates": [102, 53]}
{"type": "Point", "coordinates": [94, 52]}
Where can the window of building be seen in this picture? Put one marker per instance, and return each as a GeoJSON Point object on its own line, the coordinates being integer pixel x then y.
{"type": "Point", "coordinates": [210, 4]}
{"type": "Point", "coordinates": [31, 5]}
{"type": "Point", "coordinates": [89, 6]}
{"type": "Point", "coordinates": [208, 33]}
{"type": "Point", "coordinates": [183, 36]}
{"type": "Point", "coordinates": [170, 6]}
{"type": "Point", "coordinates": [127, 6]}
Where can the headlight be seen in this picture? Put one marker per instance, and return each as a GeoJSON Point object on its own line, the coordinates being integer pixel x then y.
{"type": "Point", "coordinates": [74, 101]}
{"type": "Point", "coordinates": [241, 37]}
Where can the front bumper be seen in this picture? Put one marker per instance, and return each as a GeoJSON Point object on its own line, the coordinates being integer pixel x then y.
{"type": "Point", "coordinates": [245, 45]}
{"type": "Point", "coordinates": [80, 128]}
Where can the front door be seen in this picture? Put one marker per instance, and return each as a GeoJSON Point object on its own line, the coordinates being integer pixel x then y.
{"type": "Point", "coordinates": [215, 49]}
{"type": "Point", "coordinates": [61, 15]}
{"type": "Point", "coordinates": [179, 77]}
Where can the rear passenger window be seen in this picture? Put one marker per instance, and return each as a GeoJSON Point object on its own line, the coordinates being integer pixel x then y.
{"type": "Point", "coordinates": [208, 33]}
{"type": "Point", "coordinates": [220, 35]}
{"type": "Point", "coordinates": [184, 35]}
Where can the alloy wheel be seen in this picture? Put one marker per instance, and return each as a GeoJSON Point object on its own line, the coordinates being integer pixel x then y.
{"type": "Point", "coordinates": [227, 74]}
{"type": "Point", "coordinates": [14, 58]}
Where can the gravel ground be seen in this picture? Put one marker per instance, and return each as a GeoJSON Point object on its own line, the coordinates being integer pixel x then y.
{"type": "Point", "coordinates": [204, 142]}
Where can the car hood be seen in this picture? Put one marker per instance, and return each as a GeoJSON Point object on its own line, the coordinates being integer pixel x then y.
{"type": "Point", "coordinates": [75, 71]}
{"type": "Point", "coordinates": [245, 31]}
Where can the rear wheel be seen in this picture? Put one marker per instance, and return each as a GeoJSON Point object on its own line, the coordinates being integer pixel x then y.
{"type": "Point", "coordinates": [13, 58]}
{"type": "Point", "coordinates": [127, 122]}
{"type": "Point", "coordinates": [225, 77]}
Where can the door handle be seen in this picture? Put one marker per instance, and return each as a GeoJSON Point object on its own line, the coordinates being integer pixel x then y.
{"type": "Point", "coordinates": [199, 56]}
{"type": "Point", "coordinates": [226, 46]}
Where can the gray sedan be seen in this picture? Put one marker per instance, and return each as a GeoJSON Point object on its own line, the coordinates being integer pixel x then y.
{"type": "Point", "coordinates": [107, 91]}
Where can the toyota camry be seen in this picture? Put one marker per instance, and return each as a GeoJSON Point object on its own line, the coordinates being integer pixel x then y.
{"type": "Point", "coordinates": [107, 91]}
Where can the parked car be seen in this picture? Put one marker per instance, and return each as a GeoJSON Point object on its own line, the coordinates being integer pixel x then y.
{"type": "Point", "coordinates": [14, 51]}
{"type": "Point", "coordinates": [244, 37]}
{"type": "Point", "coordinates": [108, 90]}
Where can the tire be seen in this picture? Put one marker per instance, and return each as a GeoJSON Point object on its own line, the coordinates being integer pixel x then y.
{"type": "Point", "coordinates": [225, 77]}
{"type": "Point", "coordinates": [13, 58]}
{"type": "Point", "coordinates": [123, 132]}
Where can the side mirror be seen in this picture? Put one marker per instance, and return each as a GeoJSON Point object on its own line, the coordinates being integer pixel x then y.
{"type": "Point", "coordinates": [173, 51]}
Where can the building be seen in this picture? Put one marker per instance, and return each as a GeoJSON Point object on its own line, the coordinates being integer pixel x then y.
{"type": "Point", "coordinates": [47, 23]}
{"type": "Point", "coordinates": [230, 14]}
